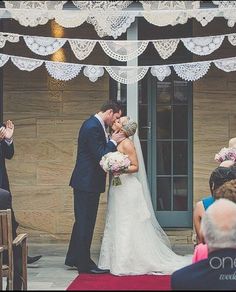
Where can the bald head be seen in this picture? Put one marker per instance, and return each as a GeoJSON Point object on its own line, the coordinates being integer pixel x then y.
{"type": "Point", "coordinates": [227, 163]}
{"type": "Point", "coordinates": [232, 143]}
{"type": "Point", "coordinates": [218, 225]}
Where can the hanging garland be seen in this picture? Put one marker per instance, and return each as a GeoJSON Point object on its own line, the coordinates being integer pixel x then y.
{"type": "Point", "coordinates": [110, 17]}
{"type": "Point", "coordinates": [123, 74]}
{"type": "Point", "coordinates": [119, 50]}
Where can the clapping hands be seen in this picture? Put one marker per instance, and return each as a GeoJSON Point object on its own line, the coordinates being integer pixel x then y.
{"type": "Point", "coordinates": [7, 132]}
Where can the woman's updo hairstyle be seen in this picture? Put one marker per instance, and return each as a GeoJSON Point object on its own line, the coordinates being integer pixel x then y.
{"type": "Point", "coordinates": [129, 126]}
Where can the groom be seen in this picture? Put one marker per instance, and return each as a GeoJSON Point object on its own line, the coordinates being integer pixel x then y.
{"type": "Point", "coordinates": [88, 181]}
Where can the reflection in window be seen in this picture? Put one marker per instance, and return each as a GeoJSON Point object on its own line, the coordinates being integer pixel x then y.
{"type": "Point", "coordinates": [180, 158]}
{"type": "Point", "coordinates": [180, 91]}
{"type": "Point", "coordinates": [164, 92]}
{"type": "Point", "coordinates": [180, 193]}
{"type": "Point", "coordinates": [163, 122]}
{"type": "Point", "coordinates": [180, 122]}
{"type": "Point", "coordinates": [143, 121]}
{"type": "Point", "coordinates": [163, 158]}
{"type": "Point", "coordinates": [144, 150]}
{"type": "Point", "coordinates": [163, 193]}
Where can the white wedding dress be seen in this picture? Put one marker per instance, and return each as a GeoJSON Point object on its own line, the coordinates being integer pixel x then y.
{"type": "Point", "coordinates": [133, 241]}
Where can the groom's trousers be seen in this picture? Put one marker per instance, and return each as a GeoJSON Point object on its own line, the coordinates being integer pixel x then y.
{"type": "Point", "coordinates": [85, 210]}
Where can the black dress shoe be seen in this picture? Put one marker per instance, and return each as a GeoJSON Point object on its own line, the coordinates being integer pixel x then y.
{"type": "Point", "coordinates": [96, 270]}
{"type": "Point", "coordinates": [70, 264]}
{"type": "Point", "coordinates": [31, 260]}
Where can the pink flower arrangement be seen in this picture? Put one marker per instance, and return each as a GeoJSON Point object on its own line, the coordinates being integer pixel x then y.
{"type": "Point", "coordinates": [117, 163]}
{"type": "Point", "coordinates": [226, 154]}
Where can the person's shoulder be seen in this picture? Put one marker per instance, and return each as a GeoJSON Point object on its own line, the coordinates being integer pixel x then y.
{"type": "Point", "coordinates": [191, 269]}
{"type": "Point", "coordinates": [199, 207]}
{"type": "Point", "coordinates": [187, 277]}
{"type": "Point", "coordinates": [91, 122]}
{"type": "Point", "coordinates": [127, 143]}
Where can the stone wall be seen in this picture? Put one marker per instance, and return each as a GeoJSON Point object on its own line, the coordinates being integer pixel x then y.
{"type": "Point", "coordinates": [214, 107]}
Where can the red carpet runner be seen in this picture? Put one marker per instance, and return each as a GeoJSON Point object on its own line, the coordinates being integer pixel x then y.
{"type": "Point", "coordinates": [110, 282]}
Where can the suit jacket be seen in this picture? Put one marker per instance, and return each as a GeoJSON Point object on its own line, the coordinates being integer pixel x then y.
{"type": "Point", "coordinates": [6, 152]}
{"type": "Point", "coordinates": [218, 272]}
{"type": "Point", "coordinates": [92, 145]}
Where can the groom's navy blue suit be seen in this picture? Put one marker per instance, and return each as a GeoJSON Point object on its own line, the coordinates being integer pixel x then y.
{"type": "Point", "coordinates": [88, 181]}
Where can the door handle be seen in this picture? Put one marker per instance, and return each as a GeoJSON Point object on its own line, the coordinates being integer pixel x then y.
{"type": "Point", "coordinates": [148, 127]}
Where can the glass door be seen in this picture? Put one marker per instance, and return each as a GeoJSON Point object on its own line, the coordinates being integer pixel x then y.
{"type": "Point", "coordinates": [165, 130]}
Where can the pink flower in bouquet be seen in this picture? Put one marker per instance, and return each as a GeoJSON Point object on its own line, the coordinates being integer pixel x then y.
{"type": "Point", "coordinates": [117, 163]}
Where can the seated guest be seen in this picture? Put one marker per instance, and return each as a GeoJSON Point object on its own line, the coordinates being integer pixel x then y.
{"type": "Point", "coordinates": [217, 272]}
{"type": "Point", "coordinates": [227, 191]}
{"type": "Point", "coordinates": [219, 176]}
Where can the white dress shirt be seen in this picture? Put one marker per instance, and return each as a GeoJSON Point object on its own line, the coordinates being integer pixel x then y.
{"type": "Point", "coordinates": [8, 141]}
{"type": "Point", "coordinates": [103, 125]}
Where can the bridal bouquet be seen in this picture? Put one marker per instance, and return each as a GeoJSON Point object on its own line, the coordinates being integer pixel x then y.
{"type": "Point", "coordinates": [116, 163]}
{"type": "Point", "coordinates": [226, 154]}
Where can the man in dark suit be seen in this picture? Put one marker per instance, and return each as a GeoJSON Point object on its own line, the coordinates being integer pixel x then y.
{"type": "Point", "coordinates": [7, 152]}
{"type": "Point", "coordinates": [88, 181]}
{"type": "Point", "coordinates": [218, 271]}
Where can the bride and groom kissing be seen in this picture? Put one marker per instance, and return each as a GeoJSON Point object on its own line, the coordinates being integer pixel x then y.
{"type": "Point", "coordinates": [133, 241]}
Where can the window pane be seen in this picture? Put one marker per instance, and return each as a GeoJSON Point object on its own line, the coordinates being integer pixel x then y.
{"type": "Point", "coordinates": [143, 121]}
{"type": "Point", "coordinates": [164, 92]}
{"type": "Point", "coordinates": [163, 193]}
{"type": "Point", "coordinates": [144, 150]}
{"type": "Point", "coordinates": [163, 158]}
{"type": "Point", "coordinates": [180, 158]}
{"type": "Point", "coordinates": [180, 91]}
{"type": "Point", "coordinates": [142, 92]}
{"type": "Point", "coordinates": [180, 122]}
{"type": "Point", "coordinates": [180, 193]}
{"type": "Point", "coordinates": [163, 122]}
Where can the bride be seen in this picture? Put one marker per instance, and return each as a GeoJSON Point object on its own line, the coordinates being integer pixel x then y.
{"type": "Point", "coordinates": [134, 242]}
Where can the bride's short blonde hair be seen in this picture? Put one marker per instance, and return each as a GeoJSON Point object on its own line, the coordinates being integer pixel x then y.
{"type": "Point", "coordinates": [129, 126]}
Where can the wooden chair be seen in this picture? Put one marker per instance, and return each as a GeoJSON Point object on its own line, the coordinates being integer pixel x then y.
{"type": "Point", "coordinates": [8, 244]}
{"type": "Point", "coordinates": [1, 252]}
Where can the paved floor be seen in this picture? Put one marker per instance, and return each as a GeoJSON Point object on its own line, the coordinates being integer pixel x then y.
{"type": "Point", "coordinates": [50, 273]}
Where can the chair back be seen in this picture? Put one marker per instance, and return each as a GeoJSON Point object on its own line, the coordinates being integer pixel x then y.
{"type": "Point", "coordinates": [1, 276]}
{"type": "Point", "coordinates": [6, 236]}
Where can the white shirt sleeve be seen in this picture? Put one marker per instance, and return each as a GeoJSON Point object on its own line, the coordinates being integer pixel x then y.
{"type": "Point", "coordinates": [114, 142]}
{"type": "Point", "coordinates": [9, 142]}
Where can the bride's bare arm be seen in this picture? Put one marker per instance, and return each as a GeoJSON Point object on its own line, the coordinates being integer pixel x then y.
{"type": "Point", "coordinates": [129, 149]}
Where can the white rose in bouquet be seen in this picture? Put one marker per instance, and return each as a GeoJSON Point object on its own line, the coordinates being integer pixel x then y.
{"type": "Point", "coordinates": [117, 163]}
